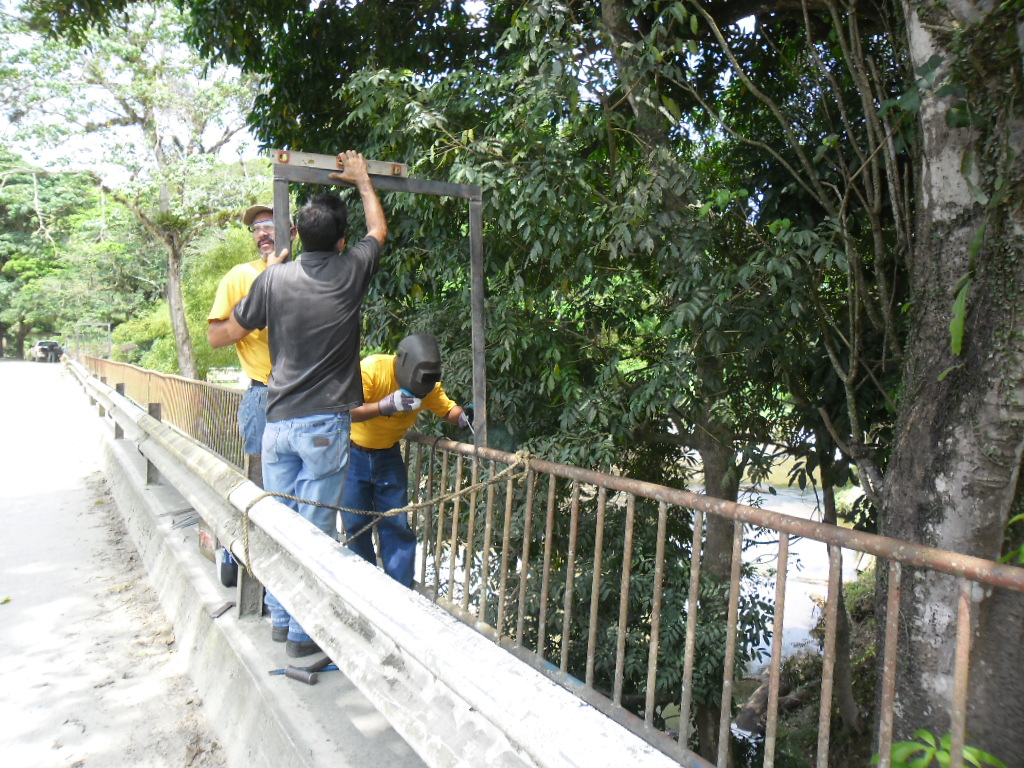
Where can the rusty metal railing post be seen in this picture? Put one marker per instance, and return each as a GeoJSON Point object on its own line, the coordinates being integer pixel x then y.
{"type": "Point", "coordinates": [775, 669]}
{"type": "Point", "coordinates": [652, 656]}
{"type": "Point", "coordinates": [506, 545]}
{"type": "Point", "coordinates": [686, 699]}
{"type": "Point", "coordinates": [485, 550]}
{"type": "Point", "coordinates": [724, 731]}
{"type": "Point", "coordinates": [531, 482]}
{"type": "Point", "coordinates": [623, 628]}
{"type": "Point", "coordinates": [828, 664]}
{"type": "Point", "coordinates": [570, 578]}
{"type": "Point", "coordinates": [453, 546]}
{"type": "Point", "coordinates": [595, 586]}
{"type": "Point", "coordinates": [892, 612]}
{"type": "Point", "coordinates": [545, 579]}
{"type": "Point", "coordinates": [961, 672]}
{"type": "Point", "coordinates": [439, 544]}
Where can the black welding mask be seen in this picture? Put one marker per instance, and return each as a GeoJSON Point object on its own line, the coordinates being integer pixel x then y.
{"type": "Point", "coordinates": [418, 364]}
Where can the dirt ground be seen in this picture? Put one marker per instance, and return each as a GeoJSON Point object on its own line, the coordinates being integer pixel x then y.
{"type": "Point", "coordinates": [91, 672]}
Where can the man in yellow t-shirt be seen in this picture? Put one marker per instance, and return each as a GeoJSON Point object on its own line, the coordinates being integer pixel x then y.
{"type": "Point", "coordinates": [395, 389]}
{"type": "Point", "coordinates": [254, 349]}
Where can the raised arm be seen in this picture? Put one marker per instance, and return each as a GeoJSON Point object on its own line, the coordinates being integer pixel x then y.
{"type": "Point", "coordinates": [355, 173]}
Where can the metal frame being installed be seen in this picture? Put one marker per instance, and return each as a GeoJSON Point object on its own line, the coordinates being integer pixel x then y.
{"type": "Point", "coordinates": [309, 168]}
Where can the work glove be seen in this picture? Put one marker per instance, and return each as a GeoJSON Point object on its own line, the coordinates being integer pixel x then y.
{"type": "Point", "coordinates": [466, 417]}
{"type": "Point", "coordinates": [399, 401]}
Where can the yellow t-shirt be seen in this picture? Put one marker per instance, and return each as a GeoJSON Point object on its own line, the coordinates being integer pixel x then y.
{"type": "Point", "coordinates": [254, 349]}
{"type": "Point", "coordinates": [378, 382]}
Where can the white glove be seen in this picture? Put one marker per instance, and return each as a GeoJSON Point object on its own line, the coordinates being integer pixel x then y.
{"type": "Point", "coordinates": [399, 401]}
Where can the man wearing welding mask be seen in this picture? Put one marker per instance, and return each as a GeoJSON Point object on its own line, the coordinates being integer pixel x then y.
{"type": "Point", "coordinates": [395, 389]}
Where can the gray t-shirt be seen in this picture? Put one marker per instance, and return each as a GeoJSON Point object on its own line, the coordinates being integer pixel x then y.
{"type": "Point", "coordinates": [312, 307]}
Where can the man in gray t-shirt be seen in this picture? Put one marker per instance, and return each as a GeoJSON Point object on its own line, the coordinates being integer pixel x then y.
{"type": "Point", "coordinates": [312, 308]}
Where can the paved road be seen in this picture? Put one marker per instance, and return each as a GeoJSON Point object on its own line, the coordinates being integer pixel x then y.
{"type": "Point", "coordinates": [89, 668]}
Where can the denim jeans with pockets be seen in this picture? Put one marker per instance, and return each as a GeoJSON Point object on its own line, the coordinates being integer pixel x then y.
{"type": "Point", "coordinates": [377, 482]}
{"type": "Point", "coordinates": [306, 457]}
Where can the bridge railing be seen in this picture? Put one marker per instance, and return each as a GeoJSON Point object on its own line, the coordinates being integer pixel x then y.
{"type": "Point", "coordinates": [205, 412]}
{"type": "Point", "coordinates": [456, 698]}
{"type": "Point", "coordinates": [547, 565]}
{"type": "Point", "coordinates": [597, 581]}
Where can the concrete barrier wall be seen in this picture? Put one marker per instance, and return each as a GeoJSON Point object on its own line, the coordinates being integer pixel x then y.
{"type": "Point", "coordinates": [453, 696]}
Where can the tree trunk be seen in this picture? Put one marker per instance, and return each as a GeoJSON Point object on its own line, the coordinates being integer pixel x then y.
{"type": "Point", "coordinates": [722, 481]}
{"type": "Point", "coordinates": [953, 477]}
{"type": "Point", "coordinates": [20, 334]}
{"type": "Point", "coordinates": [176, 304]}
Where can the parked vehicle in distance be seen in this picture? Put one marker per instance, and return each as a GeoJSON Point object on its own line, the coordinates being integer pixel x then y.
{"type": "Point", "coordinates": [47, 352]}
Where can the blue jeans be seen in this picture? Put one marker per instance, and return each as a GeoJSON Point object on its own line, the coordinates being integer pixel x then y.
{"type": "Point", "coordinates": [377, 482]}
{"type": "Point", "coordinates": [252, 418]}
{"type": "Point", "coordinates": [306, 457]}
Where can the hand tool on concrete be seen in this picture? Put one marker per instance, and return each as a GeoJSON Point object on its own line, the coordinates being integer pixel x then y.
{"type": "Point", "coordinates": [308, 674]}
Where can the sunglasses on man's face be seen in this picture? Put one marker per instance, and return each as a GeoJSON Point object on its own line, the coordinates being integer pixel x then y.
{"type": "Point", "coordinates": [262, 226]}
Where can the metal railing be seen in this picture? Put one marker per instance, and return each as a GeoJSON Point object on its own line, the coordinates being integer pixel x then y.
{"type": "Point", "coordinates": [598, 580]}
{"type": "Point", "coordinates": [205, 412]}
{"type": "Point", "coordinates": [550, 568]}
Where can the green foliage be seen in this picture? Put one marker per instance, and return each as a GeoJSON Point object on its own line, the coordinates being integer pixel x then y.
{"type": "Point", "coordinates": [1016, 553]}
{"type": "Point", "coordinates": [147, 340]}
{"type": "Point", "coordinates": [927, 750]}
{"type": "Point", "coordinates": [209, 258]}
{"type": "Point", "coordinates": [155, 116]}
{"type": "Point", "coordinates": [54, 224]}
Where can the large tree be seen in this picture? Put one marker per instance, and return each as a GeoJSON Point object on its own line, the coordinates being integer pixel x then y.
{"type": "Point", "coordinates": [676, 241]}
{"type": "Point", "coordinates": [137, 104]}
{"type": "Point", "coordinates": [954, 479]}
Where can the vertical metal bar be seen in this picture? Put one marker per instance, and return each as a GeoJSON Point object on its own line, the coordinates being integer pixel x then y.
{"type": "Point", "coordinates": [531, 482]}
{"type": "Point", "coordinates": [691, 628]}
{"type": "Point", "coordinates": [474, 475]}
{"type": "Point", "coordinates": [421, 518]}
{"type": "Point", "coordinates": [961, 673]}
{"type": "Point", "coordinates": [659, 575]}
{"type": "Point", "coordinates": [453, 544]}
{"type": "Point", "coordinates": [889, 660]}
{"type": "Point", "coordinates": [545, 579]}
{"type": "Point", "coordinates": [775, 668]}
{"type": "Point", "coordinates": [476, 269]}
{"type": "Point", "coordinates": [417, 491]}
{"type": "Point", "coordinates": [118, 430]}
{"type": "Point", "coordinates": [282, 216]}
{"type": "Point", "coordinates": [828, 664]}
{"type": "Point", "coordinates": [730, 645]}
{"type": "Point", "coordinates": [152, 473]}
{"type": "Point", "coordinates": [438, 547]}
{"type": "Point", "coordinates": [485, 555]}
{"type": "Point", "coordinates": [506, 545]}
{"type": "Point", "coordinates": [570, 577]}
{"type": "Point", "coordinates": [595, 587]}
{"type": "Point", "coordinates": [428, 517]}
{"type": "Point", "coordinates": [627, 567]}
{"type": "Point", "coordinates": [470, 524]}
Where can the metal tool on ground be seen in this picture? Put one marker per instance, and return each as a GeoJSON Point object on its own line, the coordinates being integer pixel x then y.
{"type": "Point", "coordinates": [308, 674]}
{"type": "Point", "coordinates": [216, 613]}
